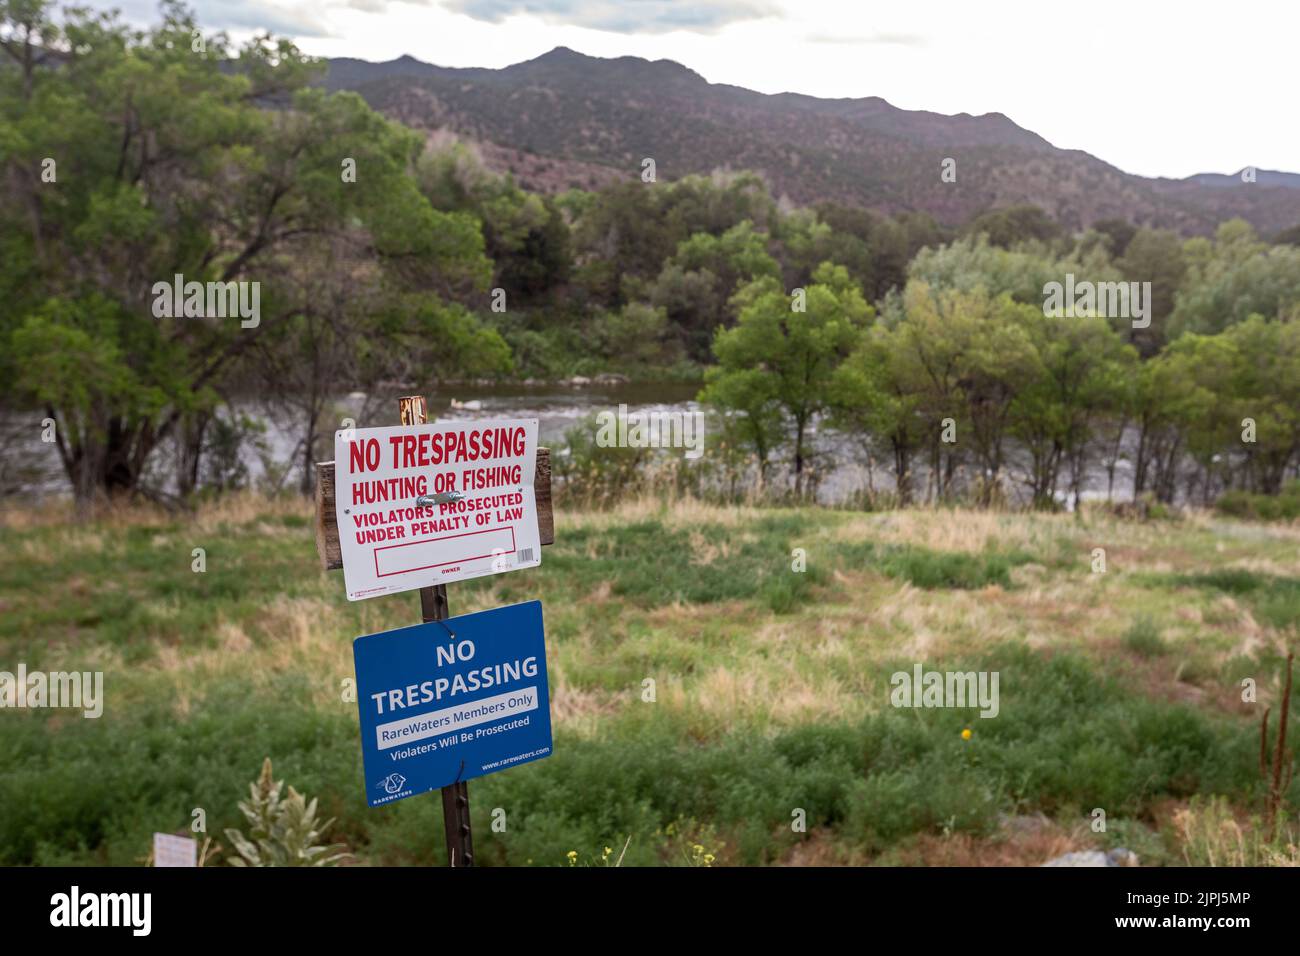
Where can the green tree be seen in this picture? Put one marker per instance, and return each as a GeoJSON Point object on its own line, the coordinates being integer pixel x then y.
{"type": "Point", "coordinates": [1080, 370]}
{"type": "Point", "coordinates": [1154, 256]}
{"type": "Point", "coordinates": [805, 239]}
{"type": "Point", "coordinates": [525, 235]}
{"type": "Point", "coordinates": [1023, 272]}
{"type": "Point", "coordinates": [1265, 386]}
{"type": "Point", "coordinates": [716, 203]}
{"type": "Point", "coordinates": [1014, 224]}
{"type": "Point", "coordinates": [1164, 400]}
{"type": "Point", "coordinates": [696, 285]}
{"type": "Point", "coordinates": [776, 366]}
{"type": "Point", "coordinates": [874, 407]}
{"type": "Point", "coordinates": [1118, 232]}
{"type": "Point", "coordinates": [1247, 375]}
{"type": "Point", "coordinates": [1234, 277]}
{"type": "Point", "coordinates": [875, 249]}
{"type": "Point", "coordinates": [620, 243]}
{"type": "Point", "coordinates": [165, 165]}
{"type": "Point", "coordinates": [963, 354]}
{"type": "Point", "coordinates": [623, 235]}
{"type": "Point", "coordinates": [636, 337]}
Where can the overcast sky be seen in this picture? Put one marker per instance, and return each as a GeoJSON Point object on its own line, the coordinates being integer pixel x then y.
{"type": "Point", "coordinates": [1165, 88]}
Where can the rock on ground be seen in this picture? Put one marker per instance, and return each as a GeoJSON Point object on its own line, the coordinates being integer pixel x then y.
{"type": "Point", "coordinates": [1116, 857]}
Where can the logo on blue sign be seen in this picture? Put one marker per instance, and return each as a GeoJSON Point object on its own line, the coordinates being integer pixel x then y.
{"type": "Point", "coordinates": [452, 700]}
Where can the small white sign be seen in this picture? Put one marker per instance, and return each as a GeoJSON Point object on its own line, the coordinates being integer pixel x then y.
{"type": "Point", "coordinates": [419, 505]}
{"type": "Point", "coordinates": [169, 850]}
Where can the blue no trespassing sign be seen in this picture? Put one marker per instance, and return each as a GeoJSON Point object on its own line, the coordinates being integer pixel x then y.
{"type": "Point", "coordinates": [452, 700]}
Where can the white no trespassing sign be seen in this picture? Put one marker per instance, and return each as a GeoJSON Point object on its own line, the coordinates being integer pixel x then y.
{"type": "Point", "coordinates": [481, 516]}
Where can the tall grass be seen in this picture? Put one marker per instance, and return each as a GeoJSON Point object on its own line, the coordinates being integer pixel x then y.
{"type": "Point", "coordinates": [773, 692]}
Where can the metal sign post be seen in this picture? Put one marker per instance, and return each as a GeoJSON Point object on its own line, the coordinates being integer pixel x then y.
{"type": "Point", "coordinates": [434, 607]}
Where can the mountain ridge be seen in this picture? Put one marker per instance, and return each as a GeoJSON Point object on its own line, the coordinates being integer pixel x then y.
{"type": "Point", "coordinates": [567, 119]}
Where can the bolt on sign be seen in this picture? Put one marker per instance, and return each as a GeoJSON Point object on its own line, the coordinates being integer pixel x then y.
{"type": "Point", "coordinates": [420, 505]}
{"type": "Point", "coordinates": [446, 701]}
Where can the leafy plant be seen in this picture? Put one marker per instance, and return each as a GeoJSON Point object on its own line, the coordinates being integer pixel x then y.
{"type": "Point", "coordinates": [1144, 639]}
{"type": "Point", "coordinates": [283, 831]}
{"type": "Point", "coordinates": [1285, 506]}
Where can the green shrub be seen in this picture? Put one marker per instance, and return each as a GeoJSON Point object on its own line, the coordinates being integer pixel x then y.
{"type": "Point", "coordinates": [651, 564]}
{"type": "Point", "coordinates": [1065, 736]}
{"type": "Point", "coordinates": [930, 569]}
{"type": "Point", "coordinates": [1143, 638]}
{"type": "Point", "coordinates": [1284, 506]}
{"type": "Point", "coordinates": [1274, 600]}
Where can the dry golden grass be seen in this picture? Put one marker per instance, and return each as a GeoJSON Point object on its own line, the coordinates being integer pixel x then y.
{"type": "Point", "coordinates": [724, 667]}
{"type": "Point", "coordinates": [677, 513]}
{"type": "Point", "coordinates": [295, 636]}
{"type": "Point", "coordinates": [243, 508]}
{"type": "Point", "coordinates": [1212, 834]}
{"type": "Point", "coordinates": [237, 507]}
{"type": "Point", "coordinates": [765, 669]}
{"type": "Point", "coordinates": [957, 529]}
{"type": "Point", "coordinates": [1269, 566]}
{"type": "Point", "coordinates": [784, 696]}
{"type": "Point", "coordinates": [579, 710]}
{"type": "Point", "coordinates": [233, 508]}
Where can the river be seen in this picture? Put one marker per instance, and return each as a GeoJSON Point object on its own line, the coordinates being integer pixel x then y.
{"type": "Point", "coordinates": [30, 468]}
